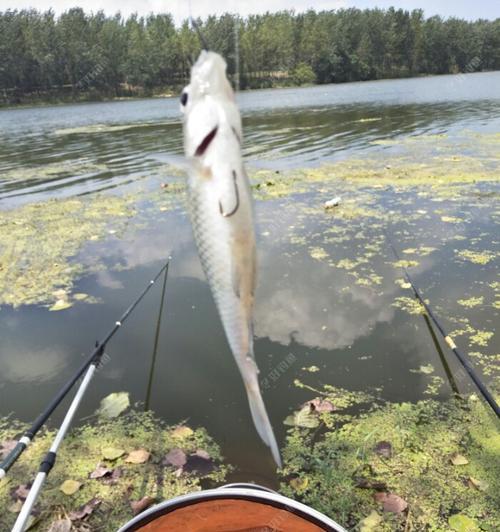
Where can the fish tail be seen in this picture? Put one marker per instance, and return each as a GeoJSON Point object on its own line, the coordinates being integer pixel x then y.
{"type": "Point", "coordinates": [261, 421]}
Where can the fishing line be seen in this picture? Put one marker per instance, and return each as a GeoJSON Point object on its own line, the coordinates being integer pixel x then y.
{"type": "Point", "coordinates": [156, 342]}
{"type": "Point", "coordinates": [449, 341]}
{"type": "Point", "coordinates": [197, 29]}
{"type": "Point", "coordinates": [95, 356]}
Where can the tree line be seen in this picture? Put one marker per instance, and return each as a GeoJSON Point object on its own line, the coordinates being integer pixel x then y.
{"type": "Point", "coordinates": [93, 55]}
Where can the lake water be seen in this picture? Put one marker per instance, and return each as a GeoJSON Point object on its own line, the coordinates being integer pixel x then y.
{"type": "Point", "coordinates": [311, 312]}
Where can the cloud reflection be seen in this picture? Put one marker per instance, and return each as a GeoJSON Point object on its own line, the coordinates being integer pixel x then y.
{"type": "Point", "coordinates": [20, 366]}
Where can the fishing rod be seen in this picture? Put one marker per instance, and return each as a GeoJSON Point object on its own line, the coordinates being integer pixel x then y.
{"type": "Point", "coordinates": [50, 458]}
{"type": "Point", "coordinates": [95, 356]}
{"type": "Point", "coordinates": [449, 341]}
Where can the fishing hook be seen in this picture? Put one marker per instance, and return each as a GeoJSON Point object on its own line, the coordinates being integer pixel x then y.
{"type": "Point", "coordinates": [221, 209]}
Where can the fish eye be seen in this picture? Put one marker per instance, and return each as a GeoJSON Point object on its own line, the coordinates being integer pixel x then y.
{"type": "Point", "coordinates": [184, 98]}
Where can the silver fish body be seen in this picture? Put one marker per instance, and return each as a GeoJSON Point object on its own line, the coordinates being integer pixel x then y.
{"type": "Point", "coordinates": [221, 212]}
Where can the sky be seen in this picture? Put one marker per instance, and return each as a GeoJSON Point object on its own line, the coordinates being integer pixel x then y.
{"type": "Point", "coordinates": [471, 10]}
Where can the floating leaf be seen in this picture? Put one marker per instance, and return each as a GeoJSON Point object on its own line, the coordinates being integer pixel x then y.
{"type": "Point", "coordinates": [182, 432]}
{"type": "Point", "coordinates": [114, 477]}
{"type": "Point", "coordinates": [15, 507]}
{"type": "Point", "coordinates": [459, 459]}
{"type": "Point", "coordinates": [21, 492]}
{"type": "Point", "coordinates": [85, 510]}
{"type": "Point", "coordinates": [101, 471]}
{"type": "Point", "coordinates": [60, 304]}
{"type": "Point", "coordinates": [61, 525]}
{"type": "Point", "coordinates": [391, 502]}
{"type": "Point", "coordinates": [112, 453]}
{"type": "Point", "coordinates": [142, 504]}
{"type": "Point", "coordinates": [384, 449]}
{"type": "Point", "coordinates": [70, 487]}
{"type": "Point", "coordinates": [176, 457]}
{"type": "Point", "coordinates": [370, 522]}
{"type": "Point", "coordinates": [478, 484]}
{"type": "Point", "coordinates": [320, 405]}
{"type": "Point", "coordinates": [303, 418]}
{"type": "Point", "coordinates": [299, 484]}
{"type": "Point", "coordinates": [139, 456]}
{"type": "Point", "coordinates": [114, 404]}
{"type": "Point", "coordinates": [463, 523]}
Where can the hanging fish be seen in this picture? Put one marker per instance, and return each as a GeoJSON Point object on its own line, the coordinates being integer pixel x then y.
{"type": "Point", "coordinates": [221, 211]}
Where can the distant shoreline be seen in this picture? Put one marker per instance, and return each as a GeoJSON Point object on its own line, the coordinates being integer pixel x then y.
{"type": "Point", "coordinates": [171, 93]}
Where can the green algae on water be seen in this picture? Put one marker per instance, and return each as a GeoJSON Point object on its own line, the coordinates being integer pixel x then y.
{"type": "Point", "coordinates": [477, 257]}
{"type": "Point", "coordinates": [471, 302]}
{"type": "Point", "coordinates": [38, 243]}
{"type": "Point", "coordinates": [338, 471]}
{"type": "Point", "coordinates": [409, 304]}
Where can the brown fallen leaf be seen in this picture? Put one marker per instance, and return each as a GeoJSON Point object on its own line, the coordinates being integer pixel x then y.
{"type": "Point", "coordinates": [384, 449]}
{"type": "Point", "coordinates": [6, 447]}
{"type": "Point", "coordinates": [139, 456]}
{"type": "Point", "coordinates": [61, 525]}
{"type": "Point", "coordinates": [478, 484]}
{"type": "Point", "coordinates": [320, 405]}
{"type": "Point", "coordinates": [85, 510]}
{"type": "Point", "coordinates": [459, 459]}
{"type": "Point", "coordinates": [101, 471]}
{"type": "Point", "coordinates": [175, 457]}
{"type": "Point", "coordinates": [15, 507]}
{"type": "Point", "coordinates": [142, 504]}
{"type": "Point", "coordinates": [21, 492]}
{"type": "Point", "coordinates": [114, 477]}
{"type": "Point", "coordinates": [391, 502]}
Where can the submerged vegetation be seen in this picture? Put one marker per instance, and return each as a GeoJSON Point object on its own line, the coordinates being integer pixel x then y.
{"type": "Point", "coordinates": [92, 56]}
{"type": "Point", "coordinates": [108, 471]}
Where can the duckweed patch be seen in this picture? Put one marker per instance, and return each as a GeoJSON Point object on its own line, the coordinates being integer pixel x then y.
{"type": "Point", "coordinates": [403, 451]}
{"type": "Point", "coordinates": [471, 302]}
{"type": "Point", "coordinates": [39, 242]}
{"type": "Point", "coordinates": [409, 304]}
{"type": "Point", "coordinates": [476, 257]}
{"type": "Point", "coordinates": [116, 480]}
{"type": "Point", "coordinates": [481, 338]}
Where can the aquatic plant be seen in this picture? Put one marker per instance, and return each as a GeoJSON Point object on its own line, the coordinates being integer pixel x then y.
{"type": "Point", "coordinates": [109, 469]}
{"type": "Point", "coordinates": [396, 467]}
